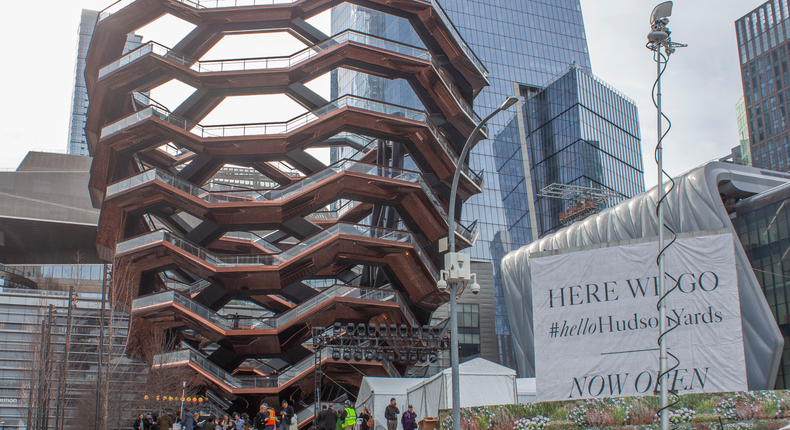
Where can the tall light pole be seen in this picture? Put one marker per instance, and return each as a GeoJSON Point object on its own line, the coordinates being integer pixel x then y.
{"type": "Point", "coordinates": [457, 266]}
{"type": "Point", "coordinates": [183, 393]}
{"type": "Point", "coordinates": [658, 39]}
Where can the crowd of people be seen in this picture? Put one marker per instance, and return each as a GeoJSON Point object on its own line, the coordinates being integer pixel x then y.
{"type": "Point", "coordinates": [345, 418]}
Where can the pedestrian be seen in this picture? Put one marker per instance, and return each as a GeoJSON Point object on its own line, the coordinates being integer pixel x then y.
{"type": "Point", "coordinates": [188, 420]}
{"type": "Point", "coordinates": [210, 425]}
{"type": "Point", "coordinates": [286, 413]}
{"type": "Point", "coordinates": [319, 419]}
{"type": "Point", "coordinates": [165, 422]}
{"type": "Point", "coordinates": [348, 416]}
{"type": "Point", "coordinates": [330, 418]}
{"type": "Point", "coordinates": [245, 422]}
{"type": "Point", "coordinates": [367, 419]}
{"type": "Point", "coordinates": [139, 423]}
{"type": "Point", "coordinates": [391, 413]}
{"type": "Point", "coordinates": [225, 423]}
{"type": "Point", "coordinates": [151, 422]}
{"type": "Point", "coordinates": [238, 421]}
{"type": "Point", "coordinates": [265, 419]}
{"type": "Point", "coordinates": [409, 419]}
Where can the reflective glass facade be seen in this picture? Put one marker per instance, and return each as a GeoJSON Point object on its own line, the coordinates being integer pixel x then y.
{"type": "Point", "coordinates": [578, 131]}
{"type": "Point", "coordinates": [743, 133]}
{"type": "Point", "coordinates": [763, 46]}
{"type": "Point", "coordinates": [79, 99]}
{"type": "Point", "coordinates": [525, 42]}
{"type": "Point", "coordinates": [22, 313]}
{"type": "Point", "coordinates": [763, 226]}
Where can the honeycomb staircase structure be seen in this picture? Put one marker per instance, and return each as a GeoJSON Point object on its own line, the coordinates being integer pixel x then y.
{"type": "Point", "coordinates": [358, 240]}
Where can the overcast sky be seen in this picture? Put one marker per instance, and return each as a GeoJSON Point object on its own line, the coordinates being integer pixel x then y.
{"type": "Point", "coordinates": [701, 86]}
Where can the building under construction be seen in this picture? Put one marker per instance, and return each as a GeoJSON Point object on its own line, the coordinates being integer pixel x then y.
{"type": "Point", "coordinates": [357, 241]}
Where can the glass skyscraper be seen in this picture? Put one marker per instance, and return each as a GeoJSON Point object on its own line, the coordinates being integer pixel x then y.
{"type": "Point", "coordinates": [79, 99]}
{"type": "Point", "coordinates": [578, 130]}
{"type": "Point", "coordinates": [763, 49]}
{"type": "Point", "coordinates": [524, 45]}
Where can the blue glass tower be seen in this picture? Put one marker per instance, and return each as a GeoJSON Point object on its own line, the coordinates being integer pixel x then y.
{"type": "Point", "coordinates": [525, 45]}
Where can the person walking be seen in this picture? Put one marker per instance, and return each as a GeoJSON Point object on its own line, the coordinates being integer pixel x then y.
{"type": "Point", "coordinates": [330, 418]}
{"type": "Point", "coordinates": [225, 423]}
{"type": "Point", "coordinates": [319, 419]}
{"type": "Point", "coordinates": [164, 421]}
{"type": "Point", "coordinates": [391, 413]}
{"type": "Point", "coordinates": [286, 413]}
{"type": "Point", "coordinates": [188, 420]}
{"type": "Point", "coordinates": [265, 419]}
{"type": "Point", "coordinates": [409, 419]}
{"type": "Point", "coordinates": [367, 419]}
{"type": "Point", "coordinates": [210, 424]}
{"type": "Point", "coordinates": [238, 421]}
{"type": "Point", "coordinates": [139, 423]}
{"type": "Point", "coordinates": [150, 422]}
{"type": "Point", "coordinates": [348, 416]}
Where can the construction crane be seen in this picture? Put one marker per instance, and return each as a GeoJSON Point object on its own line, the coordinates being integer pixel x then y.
{"type": "Point", "coordinates": [585, 200]}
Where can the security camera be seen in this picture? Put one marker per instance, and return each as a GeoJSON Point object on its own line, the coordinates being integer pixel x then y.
{"type": "Point", "coordinates": [441, 285]}
{"type": "Point", "coordinates": [475, 287]}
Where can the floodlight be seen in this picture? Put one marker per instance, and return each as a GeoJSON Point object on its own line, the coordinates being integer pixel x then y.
{"type": "Point", "coordinates": [383, 330]}
{"type": "Point", "coordinates": [372, 330]}
{"type": "Point", "coordinates": [335, 355]}
{"type": "Point", "coordinates": [664, 10]}
{"type": "Point", "coordinates": [368, 355]}
{"type": "Point", "coordinates": [379, 356]}
{"type": "Point", "coordinates": [413, 357]}
{"type": "Point", "coordinates": [432, 357]}
{"type": "Point", "coordinates": [347, 355]}
{"type": "Point", "coordinates": [404, 330]}
{"type": "Point", "coordinates": [393, 330]}
{"type": "Point", "coordinates": [390, 356]}
{"type": "Point", "coordinates": [338, 328]}
{"type": "Point", "coordinates": [403, 357]}
{"type": "Point", "coordinates": [423, 358]}
{"type": "Point", "coordinates": [415, 332]}
{"type": "Point", "coordinates": [361, 329]}
{"type": "Point", "coordinates": [358, 356]}
{"type": "Point", "coordinates": [426, 332]}
{"type": "Point", "coordinates": [351, 329]}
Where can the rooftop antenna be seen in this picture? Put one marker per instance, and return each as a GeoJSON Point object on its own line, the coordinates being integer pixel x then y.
{"type": "Point", "coordinates": [660, 42]}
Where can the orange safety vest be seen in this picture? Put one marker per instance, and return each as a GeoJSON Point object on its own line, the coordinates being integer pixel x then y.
{"type": "Point", "coordinates": [272, 421]}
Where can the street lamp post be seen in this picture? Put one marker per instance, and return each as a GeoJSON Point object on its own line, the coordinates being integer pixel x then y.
{"type": "Point", "coordinates": [454, 271]}
{"type": "Point", "coordinates": [660, 39]}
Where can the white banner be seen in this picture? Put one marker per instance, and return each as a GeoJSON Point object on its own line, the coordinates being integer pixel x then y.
{"type": "Point", "coordinates": [596, 323]}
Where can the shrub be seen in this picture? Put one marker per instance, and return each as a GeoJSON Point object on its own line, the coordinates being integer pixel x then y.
{"type": "Point", "coordinates": [600, 412]}
{"type": "Point", "coordinates": [537, 423]}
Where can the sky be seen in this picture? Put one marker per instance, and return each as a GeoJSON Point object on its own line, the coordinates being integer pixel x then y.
{"type": "Point", "coordinates": [701, 86]}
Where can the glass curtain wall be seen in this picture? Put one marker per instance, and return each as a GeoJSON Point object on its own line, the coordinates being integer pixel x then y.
{"type": "Point", "coordinates": [528, 42]}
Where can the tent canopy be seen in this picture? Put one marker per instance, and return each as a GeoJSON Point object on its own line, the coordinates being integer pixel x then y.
{"type": "Point", "coordinates": [482, 383]}
{"type": "Point", "coordinates": [375, 393]}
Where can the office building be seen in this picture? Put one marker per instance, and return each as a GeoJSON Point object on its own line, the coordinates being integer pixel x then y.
{"type": "Point", "coordinates": [579, 131]}
{"type": "Point", "coordinates": [719, 197]}
{"type": "Point", "coordinates": [761, 222]}
{"type": "Point", "coordinates": [79, 98]}
{"type": "Point", "coordinates": [192, 243]}
{"type": "Point", "coordinates": [47, 245]}
{"type": "Point", "coordinates": [525, 47]}
{"type": "Point", "coordinates": [763, 49]}
{"type": "Point", "coordinates": [745, 149]}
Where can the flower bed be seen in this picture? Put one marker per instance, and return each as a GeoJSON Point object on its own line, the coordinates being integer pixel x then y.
{"type": "Point", "coordinates": [759, 410]}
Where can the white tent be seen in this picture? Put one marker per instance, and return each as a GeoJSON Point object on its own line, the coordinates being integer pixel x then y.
{"type": "Point", "coordinates": [526, 390]}
{"type": "Point", "coordinates": [375, 393]}
{"type": "Point", "coordinates": [483, 383]}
